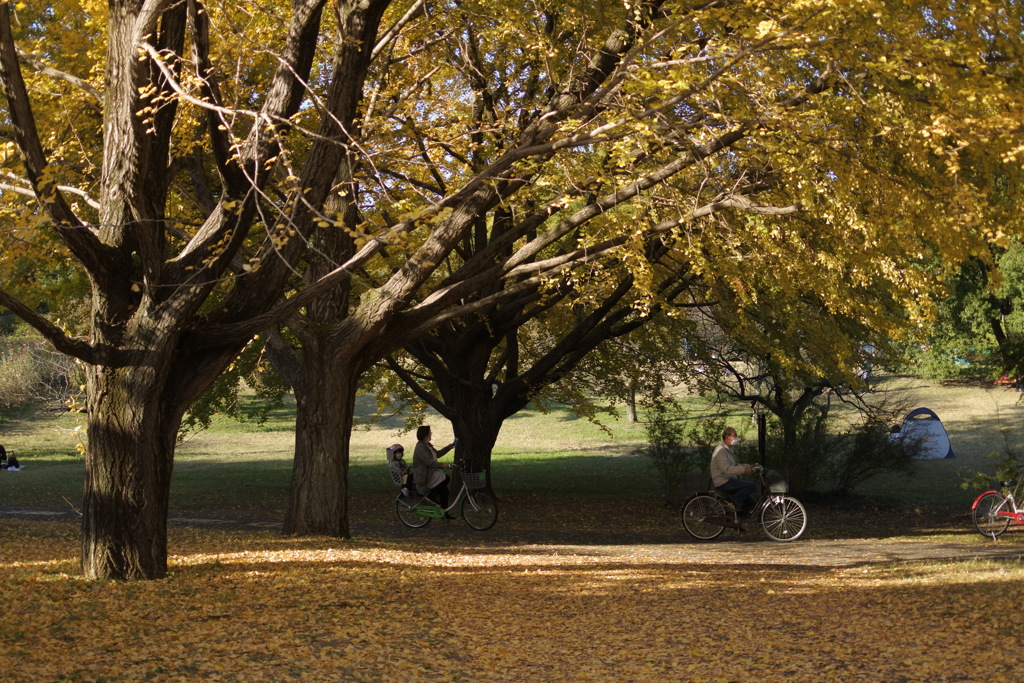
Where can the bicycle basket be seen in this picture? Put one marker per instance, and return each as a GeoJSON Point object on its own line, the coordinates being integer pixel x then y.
{"type": "Point", "coordinates": [776, 482]}
{"type": "Point", "coordinates": [475, 480]}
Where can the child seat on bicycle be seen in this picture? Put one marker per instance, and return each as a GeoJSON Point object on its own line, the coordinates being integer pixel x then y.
{"type": "Point", "coordinates": [401, 475]}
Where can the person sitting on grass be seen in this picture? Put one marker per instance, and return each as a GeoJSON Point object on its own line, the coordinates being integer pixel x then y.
{"type": "Point", "coordinates": [8, 462]}
{"type": "Point", "coordinates": [724, 471]}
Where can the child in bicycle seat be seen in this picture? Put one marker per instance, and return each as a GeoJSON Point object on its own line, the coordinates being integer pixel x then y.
{"type": "Point", "coordinates": [401, 475]}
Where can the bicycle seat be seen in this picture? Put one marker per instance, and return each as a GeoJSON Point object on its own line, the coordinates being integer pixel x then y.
{"type": "Point", "coordinates": [1008, 484]}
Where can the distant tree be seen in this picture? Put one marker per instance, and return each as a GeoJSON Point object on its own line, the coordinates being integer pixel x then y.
{"type": "Point", "coordinates": [481, 369]}
{"type": "Point", "coordinates": [795, 369]}
{"type": "Point", "coordinates": [978, 331]}
{"type": "Point", "coordinates": [781, 355]}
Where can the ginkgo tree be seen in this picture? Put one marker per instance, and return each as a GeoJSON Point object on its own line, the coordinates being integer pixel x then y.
{"type": "Point", "coordinates": [247, 161]}
{"type": "Point", "coordinates": [481, 369]}
{"type": "Point", "coordinates": [177, 291]}
{"type": "Point", "coordinates": [34, 267]}
{"type": "Point", "coordinates": [843, 153]}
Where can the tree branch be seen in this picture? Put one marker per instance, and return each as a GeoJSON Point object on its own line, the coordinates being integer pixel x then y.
{"type": "Point", "coordinates": [59, 75]}
{"type": "Point", "coordinates": [82, 242]}
{"type": "Point", "coordinates": [77, 348]}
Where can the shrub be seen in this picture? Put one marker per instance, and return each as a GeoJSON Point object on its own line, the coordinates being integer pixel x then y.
{"type": "Point", "coordinates": [839, 463]}
{"type": "Point", "coordinates": [677, 450]}
{"type": "Point", "coordinates": [864, 452]}
{"type": "Point", "coordinates": [30, 371]}
{"type": "Point", "coordinates": [1007, 464]}
{"type": "Point", "coordinates": [19, 374]}
{"type": "Point", "coordinates": [803, 459]}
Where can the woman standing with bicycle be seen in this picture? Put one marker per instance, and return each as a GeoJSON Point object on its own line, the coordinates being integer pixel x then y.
{"type": "Point", "coordinates": [427, 470]}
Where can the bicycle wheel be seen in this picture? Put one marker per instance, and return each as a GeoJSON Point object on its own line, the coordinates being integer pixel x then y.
{"type": "Point", "coordinates": [783, 518]}
{"type": "Point", "coordinates": [698, 513]}
{"type": "Point", "coordinates": [406, 509]}
{"type": "Point", "coordinates": [986, 520]}
{"type": "Point", "coordinates": [479, 510]}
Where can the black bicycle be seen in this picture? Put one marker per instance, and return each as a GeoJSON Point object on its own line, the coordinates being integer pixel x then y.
{"type": "Point", "coordinates": [707, 514]}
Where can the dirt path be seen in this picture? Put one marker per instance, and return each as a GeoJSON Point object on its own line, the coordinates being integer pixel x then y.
{"type": "Point", "coordinates": [656, 543]}
{"type": "Point", "coordinates": [810, 552]}
{"type": "Point", "coordinates": [749, 548]}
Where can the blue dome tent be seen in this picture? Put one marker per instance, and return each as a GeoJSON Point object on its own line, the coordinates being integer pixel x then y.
{"type": "Point", "coordinates": [924, 427]}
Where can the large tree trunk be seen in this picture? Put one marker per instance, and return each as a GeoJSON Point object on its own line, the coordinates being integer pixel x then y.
{"type": "Point", "coordinates": [476, 422]}
{"type": "Point", "coordinates": [325, 393]}
{"type": "Point", "coordinates": [127, 476]}
{"type": "Point", "coordinates": [135, 407]}
{"type": "Point", "coordinates": [477, 429]}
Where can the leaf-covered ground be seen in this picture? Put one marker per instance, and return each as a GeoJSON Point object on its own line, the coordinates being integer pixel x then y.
{"type": "Point", "coordinates": [452, 605]}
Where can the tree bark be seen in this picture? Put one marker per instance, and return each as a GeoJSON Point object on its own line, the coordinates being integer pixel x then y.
{"type": "Point", "coordinates": [477, 417]}
{"type": "Point", "coordinates": [325, 393]}
{"type": "Point", "coordinates": [127, 476]}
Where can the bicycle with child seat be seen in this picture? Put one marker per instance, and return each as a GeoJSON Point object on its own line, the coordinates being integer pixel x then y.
{"type": "Point", "coordinates": [707, 514]}
{"type": "Point", "coordinates": [477, 507]}
{"type": "Point", "coordinates": [993, 510]}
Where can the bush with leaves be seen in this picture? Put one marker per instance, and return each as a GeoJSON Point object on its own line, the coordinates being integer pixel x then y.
{"type": "Point", "coordinates": [18, 375]}
{"type": "Point", "coordinates": [834, 453]}
{"type": "Point", "coordinates": [803, 460]}
{"type": "Point", "coordinates": [1008, 465]}
{"type": "Point", "coordinates": [678, 448]}
{"type": "Point", "coordinates": [865, 452]}
{"type": "Point", "coordinates": [840, 462]}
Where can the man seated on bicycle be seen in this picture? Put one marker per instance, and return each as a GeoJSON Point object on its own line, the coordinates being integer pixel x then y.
{"type": "Point", "coordinates": [724, 469]}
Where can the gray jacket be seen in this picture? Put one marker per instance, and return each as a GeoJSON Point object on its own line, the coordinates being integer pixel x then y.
{"type": "Point", "coordinates": [724, 466]}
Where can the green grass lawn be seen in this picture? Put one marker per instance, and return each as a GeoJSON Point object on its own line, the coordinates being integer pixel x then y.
{"type": "Point", "coordinates": [246, 467]}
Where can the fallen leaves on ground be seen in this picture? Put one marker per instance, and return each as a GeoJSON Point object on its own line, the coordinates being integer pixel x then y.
{"type": "Point", "coordinates": [244, 606]}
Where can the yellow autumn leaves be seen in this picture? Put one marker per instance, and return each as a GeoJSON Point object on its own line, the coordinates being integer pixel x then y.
{"type": "Point", "coordinates": [453, 607]}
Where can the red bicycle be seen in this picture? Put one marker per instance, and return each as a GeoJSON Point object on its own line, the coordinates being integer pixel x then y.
{"type": "Point", "coordinates": [994, 510]}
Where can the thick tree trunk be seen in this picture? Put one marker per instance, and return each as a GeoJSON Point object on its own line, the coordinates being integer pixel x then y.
{"type": "Point", "coordinates": [477, 414]}
{"type": "Point", "coordinates": [127, 476]}
{"type": "Point", "coordinates": [477, 428]}
{"type": "Point", "coordinates": [325, 393]}
{"type": "Point", "coordinates": [136, 400]}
